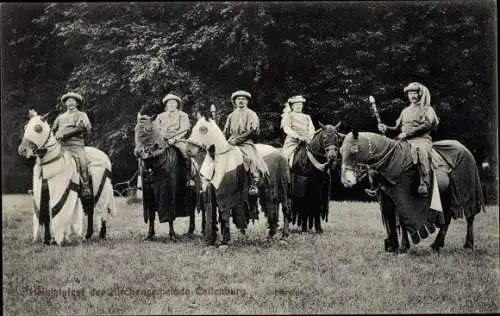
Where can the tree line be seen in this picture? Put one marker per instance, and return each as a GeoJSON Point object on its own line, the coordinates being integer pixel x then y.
{"type": "Point", "coordinates": [122, 56]}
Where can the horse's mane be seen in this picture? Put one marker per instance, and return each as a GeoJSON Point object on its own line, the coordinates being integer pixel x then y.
{"type": "Point", "coordinates": [315, 145]}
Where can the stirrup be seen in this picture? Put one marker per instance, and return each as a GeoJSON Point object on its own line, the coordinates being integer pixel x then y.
{"type": "Point", "coordinates": [422, 190]}
{"type": "Point", "coordinates": [370, 192]}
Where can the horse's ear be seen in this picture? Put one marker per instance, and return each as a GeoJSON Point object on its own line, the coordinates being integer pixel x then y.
{"type": "Point", "coordinates": [138, 115]}
{"type": "Point", "coordinates": [32, 113]}
{"type": "Point", "coordinates": [355, 133]}
{"type": "Point", "coordinates": [321, 124]}
{"type": "Point", "coordinates": [342, 136]}
{"type": "Point", "coordinates": [338, 125]}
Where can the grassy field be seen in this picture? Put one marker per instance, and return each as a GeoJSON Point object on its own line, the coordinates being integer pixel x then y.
{"type": "Point", "coordinates": [344, 270]}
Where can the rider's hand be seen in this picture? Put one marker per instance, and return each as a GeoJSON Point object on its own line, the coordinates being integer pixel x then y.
{"type": "Point", "coordinates": [59, 137]}
{"type": "Point", "coordinates": [136, 152]}
{"type": "Point", "coordinates": [382, 127]}
{"type": "Point", "coordinates": [171, 141]}
{"type": "Point", "coordinates": [232, 141]}
{"type": "Point", "coordinates": [402, 136]}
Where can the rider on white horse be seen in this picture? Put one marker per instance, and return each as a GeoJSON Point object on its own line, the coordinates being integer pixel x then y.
{"type": "Point", "coordinates": [70, 128]}
{"type": "Point", "coordinates": [241, 127]}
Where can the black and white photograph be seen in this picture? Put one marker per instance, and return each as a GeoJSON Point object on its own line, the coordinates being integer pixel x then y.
{"type": "Point", "coordinates": [241, 157]}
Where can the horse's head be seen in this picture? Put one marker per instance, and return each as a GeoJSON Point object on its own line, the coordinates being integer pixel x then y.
{"type": "Point", "coordinates": [205, 133]}
{"type": "Point", "coordinates": [148, 140]}
{"type": "Point", "coordinates": [327, 139]}
{"type": "Point", "coordinates": [356, 149]}
{"type": "Point", "coordinates": [36, 137]}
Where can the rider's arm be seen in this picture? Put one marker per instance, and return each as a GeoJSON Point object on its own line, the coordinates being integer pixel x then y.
{"type": "Point", "coordinates": [311, 128]}
{"type": "Point", "coordinates": [227, 127]}
{"type": "Point", "coordinates": [396, 127]}
{"type": "Point", "coordinates": [429, 123]}
{"type": "Point", "coordinates": [287, 126]}
{"type": "Point", "coordinates": [252, 129]}
{"type": "Point", "coordinates": [184, 124]}
{"type": "Point", "coordinates": [82, 127]}
{"type": "Point", "coordinates": [55, 125]}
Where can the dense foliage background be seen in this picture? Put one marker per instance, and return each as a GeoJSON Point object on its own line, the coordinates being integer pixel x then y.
{"type": "Point", "coordinates": [121, 56]}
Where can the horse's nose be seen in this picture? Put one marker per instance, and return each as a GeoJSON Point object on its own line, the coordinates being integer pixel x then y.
{"type": "Point", "coordinates": [21, 150]}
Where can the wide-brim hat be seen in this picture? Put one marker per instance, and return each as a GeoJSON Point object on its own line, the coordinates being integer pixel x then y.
{"type": "Point", "coordinates": [240, 93]}
{"type": "Point", "coordinates": [171, 97]}
{"type": "Point", "coordinates": [78, 97]}
{"type": "Point", "coordinates": [296, 99]}
{"type": "Point", "coordinates": [414, 86]}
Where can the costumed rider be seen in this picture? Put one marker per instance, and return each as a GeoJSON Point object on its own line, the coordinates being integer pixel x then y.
{"type": "Point", "coordinates": [297, 126]}
{"type": "Point", "coordinates": [416, 122]}
{"type": "Point", "coordinates": [70, 128]}
{"type": "Point", "coordinates": [173, 125]}
{"type": "Point", "coordinates": [242, 125]}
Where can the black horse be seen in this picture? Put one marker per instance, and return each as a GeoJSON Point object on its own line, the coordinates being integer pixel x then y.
{"type": "Point", "coordinates": [166, 177]}
{"type": "Point", "coordinates": [311, 171]}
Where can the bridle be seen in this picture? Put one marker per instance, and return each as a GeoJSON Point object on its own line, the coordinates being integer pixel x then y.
{"type": "Point", "coordinates": [41, 151]}
{"type": "Point", "coordinates": [328, 149]}
{"type": "Point", "coordinates": [360, 170]}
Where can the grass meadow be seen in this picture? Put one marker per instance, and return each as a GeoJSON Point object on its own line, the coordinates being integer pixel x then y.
{"type": "Point", "coordinates": [344, 270]}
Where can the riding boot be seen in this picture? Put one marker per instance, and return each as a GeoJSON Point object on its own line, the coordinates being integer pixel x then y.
{"type": "Point", "coordinates": [85, 190]}
{"type": "Point", "coordinates": [253, 189]}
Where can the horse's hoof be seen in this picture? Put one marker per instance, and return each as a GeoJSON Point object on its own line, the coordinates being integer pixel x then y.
{"type": "Point", "coordinates": [173, 237]}
{"type": "Point", "coordinates": [283, 242]}
{"type": "Point", "coordinates": [319, 231]}
{"type": "Point", "coordinates": [468, 246]}
{"type": "Point", "coordinates": [402, 250]}
{"type": "Point", "coordinates": [150, 237]}
{"type": "Point", "coordinates": [223, 247]}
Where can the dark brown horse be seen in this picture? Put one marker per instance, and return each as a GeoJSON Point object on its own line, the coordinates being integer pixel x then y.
{"type": "Point", "coordinates": [166, 176]}
{"type": "Point", "coordinates": [311, 172]}
{"type": "Point", "coordinates": [457, 180]}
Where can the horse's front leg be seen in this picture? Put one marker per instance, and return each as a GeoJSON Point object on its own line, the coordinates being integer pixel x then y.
{"type": "Point", "coordinates": [317, 223]}
{"type": "Point", "coordinates": [469, 239]}
{"type": "Point", "coordinates": [192, 225]}
{"type": "Point", "coordinates": [439, 241]}
{"type": "Point", "coordinates": [90, 223]}
{"type": "Point", "coordinates": [405, 240]}
{"type": "Point", "coordinates": [171, 233]}
{"type": "Point", "coordinates": [286, 220]}
{"type": "Point", "coordinates": [102, 232]}
{"type": "Point", "coordinates": [47, 237]}
{"type": "Point", "coordinates": [224, 226]}
{"type": "Point", "coordinates": [151, 221]}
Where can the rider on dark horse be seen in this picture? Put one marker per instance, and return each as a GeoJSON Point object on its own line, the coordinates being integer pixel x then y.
{"type": "Point", "coordinates": [297, 126]}
{"type": "Point", "coordinates": [416, 122]}
{"type": "Point", "coordinates": [242, 125]}
{"type": "Point", "coordinates": [70, 128]}
{"type": "Point", "coordinates": [173, 125]}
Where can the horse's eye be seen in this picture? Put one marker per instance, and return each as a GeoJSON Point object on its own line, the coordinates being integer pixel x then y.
{"type": "Point", "coordinates": [203, 130]}
{"type": "Point", "coordinates": [38, 128]}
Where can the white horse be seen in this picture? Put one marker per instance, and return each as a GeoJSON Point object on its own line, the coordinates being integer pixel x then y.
{"type": "Point", "coordinates": [57, 205]}
{"type": "Point", "coordinates": [227, 182]}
